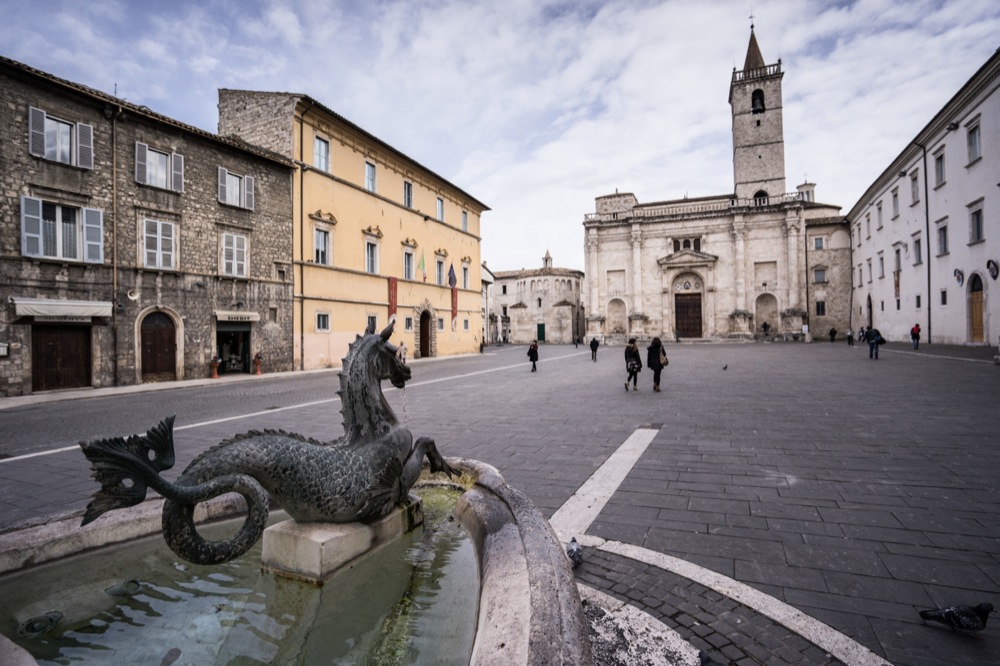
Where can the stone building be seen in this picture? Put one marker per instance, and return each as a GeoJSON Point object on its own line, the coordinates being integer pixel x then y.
{"type": "Point", "coordinates": [925, 232]}
{"type": "Point", "coordinates": [541, 304]}
{"type": "Point", "coordinates": [134, 247]}
{"type": "Point", "coordinates": [491, 320]}
{"type": "Point", "coordinates": [723, 266]}
{"type": "Point", "coordinates": [376, 234]}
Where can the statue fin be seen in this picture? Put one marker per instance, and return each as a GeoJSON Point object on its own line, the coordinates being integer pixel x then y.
{"type": "Point", "coordinates": [126, 467]}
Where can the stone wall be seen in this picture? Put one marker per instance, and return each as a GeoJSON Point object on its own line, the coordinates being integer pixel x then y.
{"type": "Point", "coordinates": [194, 289]}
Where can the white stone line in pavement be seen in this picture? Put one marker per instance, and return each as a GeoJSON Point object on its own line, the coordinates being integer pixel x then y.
{"type": "Point", "coordinates": [575, 516]}
{"type": "Point", "coordinates": [387, 389]}
{"type": "Point", "coordinates": [842, 647]}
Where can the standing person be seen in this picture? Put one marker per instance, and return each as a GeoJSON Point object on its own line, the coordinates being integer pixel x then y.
{"type": "Point", "coordinates": [861, 333]}
{"type": "Point", "coordinates": [656, 359]}
{"type": "Point", "coordinates": [594, 344]}
{"type": "Point", "coordinates": [833, 335]}
{"type": "Point", "coordinates": [915, 335]}
{"type": "Point", "coordinates": [633, 363]}
{"type": "Point", "coordinates": [401, 350]}
{"type": "Point", "coordinates": [533, 354]}
{"type": "Point", "coordinates": [874, 338]}
{"type": "Point", "coordinates": [850, 337]}
{"type": "Point", "coordinates": [766, 328]}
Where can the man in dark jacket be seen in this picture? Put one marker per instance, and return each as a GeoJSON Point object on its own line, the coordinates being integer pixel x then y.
{"type": "Point", "coordinates": [593, 349]}
{"type": "Point", "coordinates": [874, 338]}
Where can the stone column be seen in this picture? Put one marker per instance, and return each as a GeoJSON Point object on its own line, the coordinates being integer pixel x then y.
{"type": "Point", "coordinates": [739, 264]}
{"type": "Point", "coordinates": [595, 309]}
{"type": "Point", "coordinates": [635, 240]}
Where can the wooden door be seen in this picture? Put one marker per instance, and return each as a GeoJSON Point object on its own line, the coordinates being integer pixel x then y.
{"type": "Point", "coordinates": [425, 335]}
{"type": "Point", "coordinates": [688, 309]}
{"type": "Point", "coordinates": [541, 333]}
{"type": "Point", "coordinates": [60, 357]}
{"type": "Point", "coordinates": [976, 333]}
{"type": "Point", "coordinates": [159, 348]}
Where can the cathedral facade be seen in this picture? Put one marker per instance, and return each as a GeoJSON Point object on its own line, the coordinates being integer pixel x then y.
{"type": "Point", "coordinates": [757, 261]}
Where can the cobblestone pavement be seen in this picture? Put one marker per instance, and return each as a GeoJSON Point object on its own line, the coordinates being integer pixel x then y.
{"type": "Point", "coordinates": [856, 491]}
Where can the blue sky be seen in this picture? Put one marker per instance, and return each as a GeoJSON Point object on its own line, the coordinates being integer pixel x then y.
{"type": "Point", "coordinates": [536, 107]}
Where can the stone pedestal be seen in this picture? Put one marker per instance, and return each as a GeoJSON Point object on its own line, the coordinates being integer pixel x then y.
{"type": "Point", "coordinates": [316, 551]}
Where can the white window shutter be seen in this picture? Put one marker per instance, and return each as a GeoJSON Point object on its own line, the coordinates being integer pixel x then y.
{"type": "Point", "coordinates": [36, 132]}
{"type": "Point", "coordinates": [84, 146]}
{"type": "Point", "coordinates": [222, 184]}
{"type": "Point", "coordinates": [177, 166]}
{"type": "Point", "coordinates": [248, 198]}
{"type": "Point", "coordinates": [31, 226]}
{"type": "Point", "coordinates": [140, 163]}
{"type": "Point", "coordinates": [167, 245]}
{"type": "Point", "coordinates": [93, 236]}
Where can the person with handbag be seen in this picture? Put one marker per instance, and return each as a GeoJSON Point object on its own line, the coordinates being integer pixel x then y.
{"type": "Point", "coordinates": [633, 363]}
{"type": "Point", "coordinates": [656, 360]}
{"type": "Point", "coordinates": [533, 355]}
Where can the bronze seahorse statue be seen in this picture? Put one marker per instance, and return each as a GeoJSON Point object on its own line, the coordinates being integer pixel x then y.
{"type": "Point", "coordinates": [363, 474]}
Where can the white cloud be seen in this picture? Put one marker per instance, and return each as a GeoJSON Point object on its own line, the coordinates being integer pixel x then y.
{"type": "Point", "coordinates": [535, 108]}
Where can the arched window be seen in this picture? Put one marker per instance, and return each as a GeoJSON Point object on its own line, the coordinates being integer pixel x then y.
{"type": "Point", "coordinates": [757, 101]}
{"type": "Point", "coordinates": [760, 198]}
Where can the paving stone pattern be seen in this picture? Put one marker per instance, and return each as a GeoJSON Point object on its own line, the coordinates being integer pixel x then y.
{"type": "Point", "coordinates": [856, 491]}
{"type": "Point", "coordinates": [727, 630]}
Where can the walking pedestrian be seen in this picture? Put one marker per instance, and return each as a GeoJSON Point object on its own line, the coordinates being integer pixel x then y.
{"type": "Point", "coordinates": [833, 335]}
{"type": "Point", "coordinates": [633, 363]}
{"type": "Point", "coordinates": [915, 336]}
{"type": "Point", "coordinates": [850, 337]}
{"type": "Point", "coordinates": [656, 359]}
{"type": "Point", "coordinates": [401, 350]}
{"type": "Point", "coordinates": [594, 344]}
{"type": "Point", "coordinates": [533, 354]}
{"type": "Point", "coordinates": [874, 338]}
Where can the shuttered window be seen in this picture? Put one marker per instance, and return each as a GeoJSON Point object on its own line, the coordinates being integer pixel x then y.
{"type": "Point", "coordinates": [158, 169]}
{"type": "Point", "coordinates": [60, 140]}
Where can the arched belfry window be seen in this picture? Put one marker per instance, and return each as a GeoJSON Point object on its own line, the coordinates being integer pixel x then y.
{"type": "Point", "coordinates": [760, 198]}
{"type": "Point", "coordinates": [757, 101]}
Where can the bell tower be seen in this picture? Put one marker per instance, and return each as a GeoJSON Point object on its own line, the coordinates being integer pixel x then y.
{"type": "Point", "coordinates": [758, 133]}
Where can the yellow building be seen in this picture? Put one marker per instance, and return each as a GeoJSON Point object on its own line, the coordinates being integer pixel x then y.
{"type": "Point", "coordinates": [375, 233]}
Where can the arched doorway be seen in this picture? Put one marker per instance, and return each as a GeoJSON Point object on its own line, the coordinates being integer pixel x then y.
{"type": "Point", "coordinates": [159, 347]}
{"type": "Point", "coordinates": [687, 306]}
{"type": "Point", "coordinates": [617, 321]}
{"type": "Point", "coordinates": [766, 312]}
{"type": "Point", "coordinates": [976, 328]}
{"type": "Point", "coordinates": [425, 335]}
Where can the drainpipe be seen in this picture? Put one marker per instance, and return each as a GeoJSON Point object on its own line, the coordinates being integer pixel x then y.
{"type": "Point", "coordinates": [927, 231]}
{"type": "Point", "coordinates": [302, 238]}
{"type": "Point", "coordinates": [114, 238]}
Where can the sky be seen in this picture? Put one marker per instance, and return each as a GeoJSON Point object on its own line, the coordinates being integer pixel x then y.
{"type": "Point", "coordinates": [537, 107]}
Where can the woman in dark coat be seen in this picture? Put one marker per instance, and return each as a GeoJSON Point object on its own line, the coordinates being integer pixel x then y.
{"type": "Point", "coordinates": [533, 354]}
{"type": "Point", "coordinates": [654, 360]}
{"type": "Point", "coordinates": [633, 363]}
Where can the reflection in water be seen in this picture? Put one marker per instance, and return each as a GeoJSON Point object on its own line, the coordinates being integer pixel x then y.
{"type": "Point", "coordinates": [413, 602]}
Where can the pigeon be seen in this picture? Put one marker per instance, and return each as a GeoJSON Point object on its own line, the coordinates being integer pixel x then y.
{"type": "Point", "coordinates": [575, 553]}
{"type": "Point", "coordinates": [725, 367]}
{"type": "Point", "coordinates": [964, 618]}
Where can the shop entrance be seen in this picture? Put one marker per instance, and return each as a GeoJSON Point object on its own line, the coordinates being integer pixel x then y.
{"type": "Point", "coordinates": [232, 342]}
{"type": "Point", "coordinates": [60, 357]}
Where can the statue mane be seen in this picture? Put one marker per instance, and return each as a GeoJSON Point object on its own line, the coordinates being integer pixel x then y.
{"type": "Point", "coordinates": [366, 414]}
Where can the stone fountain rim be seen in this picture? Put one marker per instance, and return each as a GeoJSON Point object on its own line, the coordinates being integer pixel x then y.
{"type": "Point", "coordinates": [543, 623]}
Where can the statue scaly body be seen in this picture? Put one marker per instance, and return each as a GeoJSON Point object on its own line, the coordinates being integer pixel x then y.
{"type": "Point", "coordinates": [363, 474]}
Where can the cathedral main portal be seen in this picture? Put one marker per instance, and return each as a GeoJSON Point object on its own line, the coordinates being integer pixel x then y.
{"type": "Point", "coordinates": [688, 312]}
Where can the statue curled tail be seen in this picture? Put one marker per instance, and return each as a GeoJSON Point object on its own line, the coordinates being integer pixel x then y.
{"type": "Point", "coordinates": [127, 468]}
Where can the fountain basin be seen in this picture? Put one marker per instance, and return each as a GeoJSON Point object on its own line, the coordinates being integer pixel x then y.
{"type": "Point", "coordinates": [529, 610]}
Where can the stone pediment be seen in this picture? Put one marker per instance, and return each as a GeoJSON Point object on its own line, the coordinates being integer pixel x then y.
{"type": "Point", "coordinates": [687, 259]}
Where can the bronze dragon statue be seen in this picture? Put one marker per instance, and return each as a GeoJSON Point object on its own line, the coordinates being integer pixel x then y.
{"type": "Point", "coordinates": [363, 474]}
